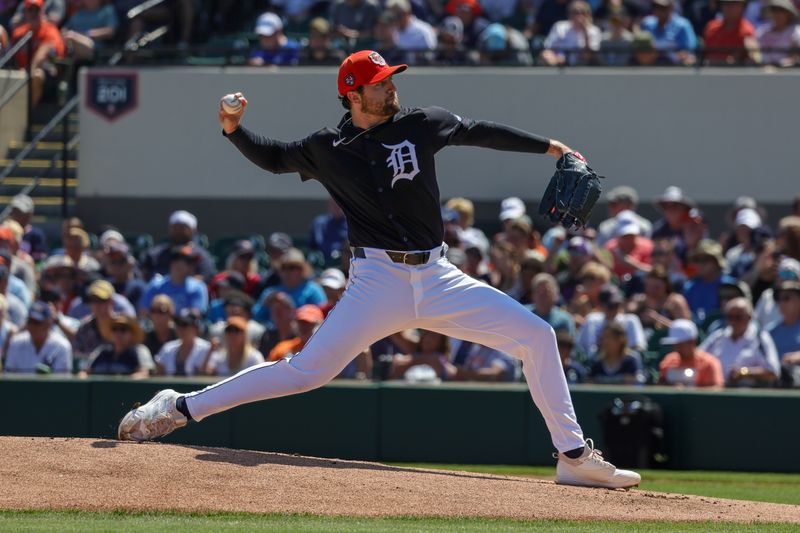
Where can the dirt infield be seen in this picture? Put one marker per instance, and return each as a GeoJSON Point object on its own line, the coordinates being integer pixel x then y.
{"type": "Point", "coordinates": [86, 474]}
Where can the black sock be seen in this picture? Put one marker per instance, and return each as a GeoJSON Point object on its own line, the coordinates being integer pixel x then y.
{"type": "Point", "coordinates": [574, 454]}
{"type": "Point", "coordinates": [180, 405]}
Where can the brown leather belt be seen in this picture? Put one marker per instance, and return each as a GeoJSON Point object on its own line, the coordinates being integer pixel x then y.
{"type": "Point", "coordinates": [407, 258]}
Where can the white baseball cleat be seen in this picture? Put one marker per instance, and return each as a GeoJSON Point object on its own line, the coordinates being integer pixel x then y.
{"type": "Point", "coordinates": [590, 470]}
{"type": "Point", "coordinates": [156, 418]}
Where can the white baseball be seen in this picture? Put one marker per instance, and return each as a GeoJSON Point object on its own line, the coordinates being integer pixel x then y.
{"type": "Point", "coordinates": [231, 104]}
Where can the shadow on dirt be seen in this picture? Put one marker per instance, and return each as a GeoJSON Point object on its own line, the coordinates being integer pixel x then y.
{"type": "Point", "coordinates": [254, 458]}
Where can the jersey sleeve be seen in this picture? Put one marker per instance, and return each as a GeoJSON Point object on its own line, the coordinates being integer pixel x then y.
{"type": "Point", "coordinates": [451, 129]}
{"type": "Point", "coordinates": [276, 156]}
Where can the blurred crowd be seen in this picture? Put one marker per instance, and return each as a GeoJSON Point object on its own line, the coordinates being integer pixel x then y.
{"type": "Point", "coordinates": [432, 32]}
{"type": "Point", "coordinates": [631, 301]}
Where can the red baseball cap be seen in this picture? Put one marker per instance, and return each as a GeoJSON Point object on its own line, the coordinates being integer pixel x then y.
{"type": "Point", "coordinates": [34, 3]}
{"type": "Point", "coordinates": [364, 68]}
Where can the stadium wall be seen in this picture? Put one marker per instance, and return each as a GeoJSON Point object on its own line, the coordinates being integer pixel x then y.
{"type": "Point", "coordinates": [746, 430]}
{"type": "Point", "coordinates": [718, 133]}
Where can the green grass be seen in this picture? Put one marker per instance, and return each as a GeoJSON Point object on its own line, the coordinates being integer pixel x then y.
{"type": "Point", "coordinates": [762, 487]}
{"type": "Point", "coordinates": [78, 521]}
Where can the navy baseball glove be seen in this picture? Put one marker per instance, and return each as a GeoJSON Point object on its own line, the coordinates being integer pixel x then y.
{"type": "Point", "coordinates": [572, 192]}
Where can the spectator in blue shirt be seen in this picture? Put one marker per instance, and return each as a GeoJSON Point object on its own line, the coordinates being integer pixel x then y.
{"type": "Point", "coordinates": [702, 291]}
{"type": "Point", "coordinates": [296, 281]}
{"type": "Point", "coordinates": [274, 48]}
{"type": "Point", "coordinates": [614, 362]}
{"type": "Point", "coordinates": [786, 333]}
{"type": "Point", "coordinates": [545, 304]}
{"type": "Point", "coordinates": [329, 233]}
{"type": "Point", "coordinates": [673, 34]}
{"type": "Point", "coordinates": [186, 292]}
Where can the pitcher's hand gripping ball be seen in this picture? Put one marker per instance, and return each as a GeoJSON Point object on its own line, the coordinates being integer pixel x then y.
{"type": "Point", "coordinates": [572, 192]}
{"type": "Point", "coordinates": [231, 104]}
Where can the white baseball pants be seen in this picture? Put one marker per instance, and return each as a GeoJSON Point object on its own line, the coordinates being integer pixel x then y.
{"type": "Point", "coordinates": [382, 298]}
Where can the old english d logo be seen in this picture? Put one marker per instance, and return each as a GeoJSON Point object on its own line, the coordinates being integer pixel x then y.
{"type": "Point", "coordinates": [403, 161]}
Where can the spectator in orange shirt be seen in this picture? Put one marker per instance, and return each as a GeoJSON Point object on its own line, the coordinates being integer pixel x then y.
{"type": "Point", "coordinates": [308, 318]}
{"type": "Point", "coordinates": [687, 365]}
{"type": "Point", "coordinates": [47, 43]}
{"type": "Point", "coordinates": [729, 39]}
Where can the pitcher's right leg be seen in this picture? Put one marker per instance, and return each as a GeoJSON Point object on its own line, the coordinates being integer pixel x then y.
{"type": "Point", "coordinates": [373, 307]}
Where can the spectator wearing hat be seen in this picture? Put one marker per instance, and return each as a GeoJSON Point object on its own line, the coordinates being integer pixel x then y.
{"type": "Point", "coordinates": [474, 264]}
{"type": "Point", "coordinates": [281, 326]}
{"type": "Point", "coordinates": [511, 209]}
{"type": "Point", "coordinates": [162, 330]}
{"type": "Point", "coordinates": [767, 310]}
{"type": "Point", "coordinates": [573, 370]}
{"type": "Point", "coordinates": [278, 244]}
{"type": "Point", "coordinates": [354, 20]}
{"type": "Point", "coordinates": [62, 279]}
{"type": "Point", "coordinates": [54, 11]}
{"type": "Point", "coordinates": [674, 206]}
{"type": "Point", "coordinates": [645, 53]}
{"type": "Point", "coordinates": [237, 303]}
{"type": "Point", "coordinates": [181, 231]}
{"type": "Point", "coordinates": [320, 50]}
{"type": "Point", "coordinates": [687, 365]}
{"type": "Point", "coordinates": [307, 318]}
{"type": "Point", "coordinates": [236, 352]}
{"type": "Point", "coordinates": [120, 268]}
{"type": "Point", "coordinates": [580, 252]}
{"type": "Point", "coordinates": [295, 274]}
{"type": "Point", "coordinates": [185, 355]}
{"type": "Point", "coordinates": [468, 234]}
{"type": "Point", "coordinates": [450, 50]}
{"type": "Point", "coordinates": [615, 42]}
{"type": "Point", "coordinates": [88, 337]}
{"type": "Point", "coordinates": [780, 39]}
{"type": "Point", "coordinates": [673, 34]}
{"type": "Point", "coordinates": [242, 265]}
{"type": "Point", "coordinates": [727, 292]}
{"type": "Point", "coordinates": [611, 310]}
{"type": "Point", "coordinates": [186, 291]}
{"type": "Point", "coordinates": [573, 41]}
{"type": "Point", "coordinates": [333, 282]}
{"type": "Point", "coordinates": [742, 256]}
{"type": "Point", "coordinates": [786, 333]}
{"type": "Point", "coordinates": [22, 265]}
{"type": "Point", "coordinates": [124, 354]}
{"type": "Point", "coordinates": [499, 44]}
{"type": "Point", "coordinates": [613, 362]}
{"type": "Point", "coordinates": [274, 47]}
{"type": "Point", "coordinates": [746, 352]}
{"type": "Point", "coordinates": [48, 45]}
{"type": "Point", "coordinates": [80, 307]}
{"type": "Point", "coordinates": [729, 40]}
{"type": "Point", "coordinates": [788, 237]}
{"type": "Point", "coordinates": [702, 290]}
{"type": "Point", "coordinates": [545, 290]}
{"type": "Point", "coordinates": [328, 233]}
{"type": "Point", "coordinates": [469, 12]}
{"type": "Point", "coordinates": [34, 242]}
{"type": "Point", "coordinates": [39, 348]}
{"type": "Point", "coordinates": [631, 251]}
{"type": "Point", "coordinates": [231, 282]}
{"type": "Point", "coordinates": [622, 198]}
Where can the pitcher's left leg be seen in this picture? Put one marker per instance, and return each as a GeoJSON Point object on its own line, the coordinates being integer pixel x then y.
{"type": "Point", "coordinates": [459, 306]}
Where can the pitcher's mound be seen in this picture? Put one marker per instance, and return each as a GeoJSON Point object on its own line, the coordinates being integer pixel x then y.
{"type": "Point", "coordinates": [57, 473]}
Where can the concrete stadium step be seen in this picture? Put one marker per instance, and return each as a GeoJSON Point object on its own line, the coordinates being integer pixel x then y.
{"type": "Point", "coordinates": [39, 152]}
{"type": "Point", "coordinates": [12, 186]}
{"type": "Point", "coordinates": [30, 168]}
{"type": "Point", "coordinates": [55, 135]}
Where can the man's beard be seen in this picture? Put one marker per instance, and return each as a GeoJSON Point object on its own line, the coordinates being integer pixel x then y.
{"type": "Point", "coordinates": [385, 108]}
